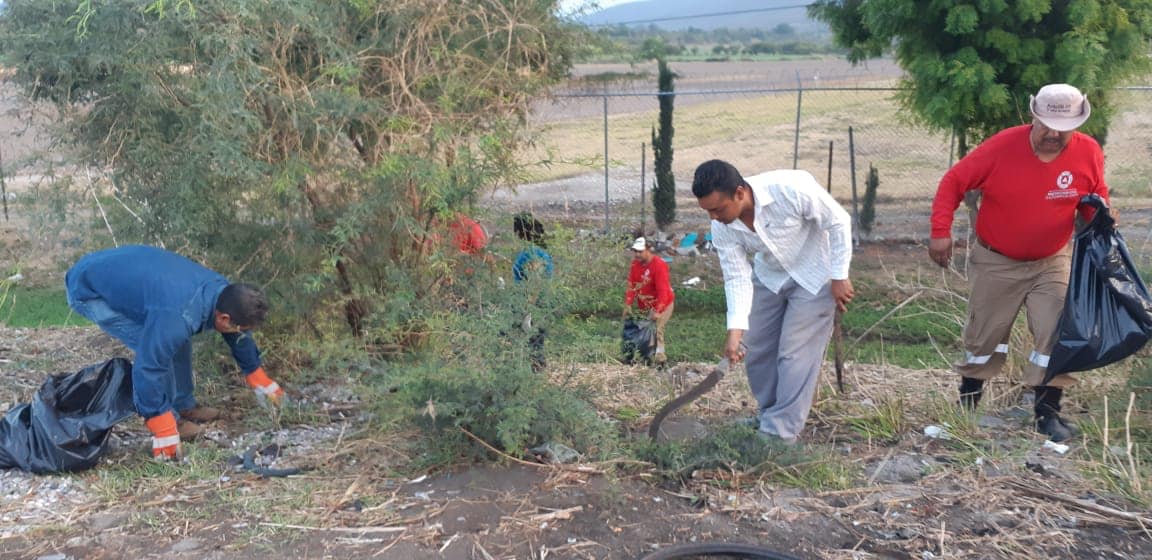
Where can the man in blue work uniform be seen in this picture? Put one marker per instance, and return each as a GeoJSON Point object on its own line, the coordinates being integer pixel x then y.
{"type": "Point", "coordinates": [154, 301]}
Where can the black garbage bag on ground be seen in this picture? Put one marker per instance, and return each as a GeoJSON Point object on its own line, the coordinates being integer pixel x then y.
{"type": "Point", "coordinates": [66, 426]}
{"type": "Point", "coordinates": [637, 339]}
{"type": "Point", "coordinates": [1107, 311]}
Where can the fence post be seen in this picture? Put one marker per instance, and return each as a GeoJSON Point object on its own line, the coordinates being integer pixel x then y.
{"type": "Point", "coordinates": [829, 185]}
{"type": "Point", "coordinates": [852, 168]}
{"type": "Point", "coordinates": [796, 136]}
{"type": "Point", "coordinates": [3, 187]}
{"type": "Point", "coordinates": [643, 187]}
{"type": "Point", "coordinates": [606, 197]}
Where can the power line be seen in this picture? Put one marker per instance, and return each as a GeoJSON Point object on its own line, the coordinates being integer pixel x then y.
{"type": "Point", "coordinates": [713, 14]}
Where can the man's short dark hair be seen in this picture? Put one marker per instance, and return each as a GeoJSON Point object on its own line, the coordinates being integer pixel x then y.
{"type": "Point", "coordinates": [528, 228]}
{"type": "Point", "coordinates": [716, 176]}
{"type": "Point", "coordinates": [244, 303]}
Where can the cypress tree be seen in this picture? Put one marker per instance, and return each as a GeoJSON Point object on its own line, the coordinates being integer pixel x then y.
{"type": "Point", "coordinates": [664, 193]}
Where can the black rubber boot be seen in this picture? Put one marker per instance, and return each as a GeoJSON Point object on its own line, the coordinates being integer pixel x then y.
{"type": "Point", "coordinates": [1048, 420]}
{"type": "Point", "coordinates": [971, 389]}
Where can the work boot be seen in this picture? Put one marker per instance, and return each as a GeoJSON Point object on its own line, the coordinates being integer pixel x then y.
{"type": "Point", "coordinates": [201, 414]}
{"type": "Point", "coordinates": [1048, 420]}
{"type": "Point", "coordinates": [971, 389]}
{"type": "Point", "coordinates": [188, 430]}
{"type": "Point", "coordinates": [1052, 427]}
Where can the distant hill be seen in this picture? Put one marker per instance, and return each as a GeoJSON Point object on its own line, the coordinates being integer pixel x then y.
{"type": "Point", "coordinates": [775, 12]}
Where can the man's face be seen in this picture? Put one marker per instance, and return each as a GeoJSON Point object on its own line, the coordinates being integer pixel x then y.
{"type": "Point", "coordinates": [1048, 142]}
{"type": "Point", "coordinates": [722, 207]}
{"type": "Point", "coordinates": [643, 256]}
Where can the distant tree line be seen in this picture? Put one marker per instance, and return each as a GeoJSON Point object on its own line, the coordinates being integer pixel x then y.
{"type": "Point", "coordinates": [722, 42]}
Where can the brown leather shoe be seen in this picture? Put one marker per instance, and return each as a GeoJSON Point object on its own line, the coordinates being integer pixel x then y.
{"type": "Point", "coordinates": [201, 414]}
{"type": "Point", "coordinates": [188, 431]}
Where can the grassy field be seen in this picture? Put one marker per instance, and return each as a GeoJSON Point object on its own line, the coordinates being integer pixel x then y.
{"type": "Point", "coordinates": [756, 131]}
{"type": "Point", "coordinates": [24, 306]}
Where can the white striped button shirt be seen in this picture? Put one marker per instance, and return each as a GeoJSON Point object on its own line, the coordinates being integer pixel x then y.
{"type": "Point", "coordinates": [801, 233]}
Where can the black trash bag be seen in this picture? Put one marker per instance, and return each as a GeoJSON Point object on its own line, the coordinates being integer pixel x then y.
{"type": "Point", "coordinates": [1107, 311]}
{"type": "Point", "coordinates": [66, 426]}
{"type": "Point", "coordinates": [637, 339]}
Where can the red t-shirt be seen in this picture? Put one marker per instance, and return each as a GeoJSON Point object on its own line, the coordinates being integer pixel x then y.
{"type": "Point", "coordinates": [649, 284]}
{"type": "Point", "coordinates": [1027, 210]}
{"type": "Point", "coordinates": [467, 235]}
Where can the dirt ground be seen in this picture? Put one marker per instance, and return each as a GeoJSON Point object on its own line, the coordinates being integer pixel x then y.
{"type": "Point", "coordinates": [915, 497]}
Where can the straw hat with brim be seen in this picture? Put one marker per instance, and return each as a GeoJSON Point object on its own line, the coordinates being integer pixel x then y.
{"type": "Point", "coordinates": [1060, 107]}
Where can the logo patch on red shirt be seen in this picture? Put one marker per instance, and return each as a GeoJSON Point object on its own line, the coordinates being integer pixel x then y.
{"type": "Point", "coordinates": [1063, 181]}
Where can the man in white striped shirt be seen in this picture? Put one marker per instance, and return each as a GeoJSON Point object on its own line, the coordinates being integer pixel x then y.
{"type": "Point", "coordinates": [781, 305]}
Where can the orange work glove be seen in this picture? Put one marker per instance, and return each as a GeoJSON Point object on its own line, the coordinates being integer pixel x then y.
{"type": "Point", "coordinates": [165, 437]}
{"type": "Point", "coordinates": [267, 391]}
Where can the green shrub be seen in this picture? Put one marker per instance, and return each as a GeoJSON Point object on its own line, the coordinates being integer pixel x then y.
{"type": "Point", "coordinates": [868, 205]}
{"type": "Point", "coordinates": [475, 374]}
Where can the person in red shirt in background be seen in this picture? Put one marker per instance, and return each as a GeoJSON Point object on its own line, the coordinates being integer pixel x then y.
{"type": "Point", "coordinates": [650, 286]}
{"type": "Point", "coordinates": [1031, 178]}
{"type": "Point", "coordinates": [467, 235]}
{"type": "Point", "coordinates": [470, 238]}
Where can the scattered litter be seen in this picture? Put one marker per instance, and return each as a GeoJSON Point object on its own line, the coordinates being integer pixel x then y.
{"type": "Point", "coordinates": [556, 453]}
{"type": "Point", "coordinates": [936, 432]}
{"type": "Point", "coordinates": [418, 479]}
{"type": "Point", "coordinates": [691, 281]}
{"type": "Point", "coordinates": [16, 278]}
{"type": "Point", "coordinates": [1057, 447]}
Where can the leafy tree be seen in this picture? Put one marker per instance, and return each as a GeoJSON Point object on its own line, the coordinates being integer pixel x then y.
{"type": "Point", "coordinates": [971, 65]}
{"type": "Point", "coordinates": [664, 195]}
{"type": "Point", "coordinates": [317, 144]}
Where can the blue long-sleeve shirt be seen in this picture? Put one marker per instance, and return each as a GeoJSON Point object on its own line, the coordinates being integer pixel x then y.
{"type": "Point", "coordinates": [171, 297]}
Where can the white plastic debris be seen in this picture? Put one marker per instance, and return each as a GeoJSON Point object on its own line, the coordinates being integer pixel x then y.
{"type": "Point", "coordinates": [1057, 447]}
{"type": "Point", "coordinates": [16, 278]}
{"type": "Point", "coordinates": [691, 281]}
{"type": "Point", "coordinates": [418, 479]}
{"type": "Point", "coordinates": [936, 432]}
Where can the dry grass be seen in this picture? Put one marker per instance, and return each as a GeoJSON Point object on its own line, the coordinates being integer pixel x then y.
{"type": "Point", "coordinates": [756, 132]}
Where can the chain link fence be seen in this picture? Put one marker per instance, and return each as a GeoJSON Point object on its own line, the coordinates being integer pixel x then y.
{"type": "Point", "coordinates": [828, 130]}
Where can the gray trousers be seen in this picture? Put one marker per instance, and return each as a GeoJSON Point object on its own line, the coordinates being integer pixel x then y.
{"type": "Point", "coordinates": [787, 336]}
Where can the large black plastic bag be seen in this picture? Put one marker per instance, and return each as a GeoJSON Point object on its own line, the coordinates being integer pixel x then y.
{"type": "Point", "coordinates": [1107, 311]}
{"type": "Point", "coordinates": [637, 339]}
{"type": "Point", "coordinates": [66, 426]}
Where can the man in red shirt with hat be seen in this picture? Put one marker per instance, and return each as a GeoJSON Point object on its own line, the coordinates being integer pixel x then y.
{"type": "Point", "coordinates": [1031, 178]}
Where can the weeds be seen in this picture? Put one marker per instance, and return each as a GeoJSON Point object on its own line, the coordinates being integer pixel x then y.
{"type": "Point", "coordinates": [885, 422]}
{"type": "Point", "coordinates": [1119, 460]}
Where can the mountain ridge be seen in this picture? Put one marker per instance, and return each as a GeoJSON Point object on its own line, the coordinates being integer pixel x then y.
{"type": "Point", "coordinates": [667, 14]}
